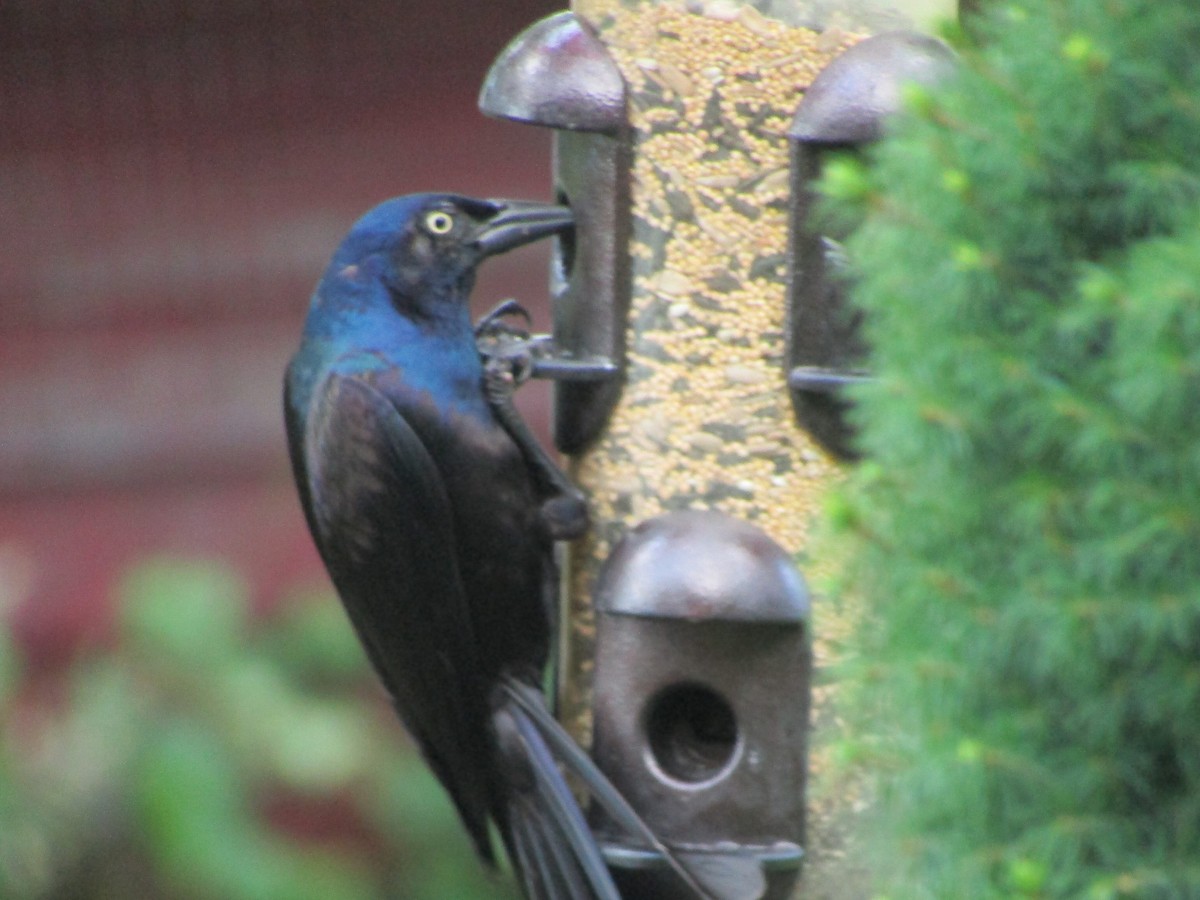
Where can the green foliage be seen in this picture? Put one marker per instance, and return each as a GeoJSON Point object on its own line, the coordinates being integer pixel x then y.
{"type": "Point", "coordinates": [1027, 533]}
{"type": "Point", "coordinates": [156, 775]}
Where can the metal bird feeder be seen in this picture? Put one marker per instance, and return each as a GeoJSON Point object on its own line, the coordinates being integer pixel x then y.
{"type": "Point", "coordinates": [701, 700]}
{"type": "Point", "coordinates": [699, 341]}
{"type": "Point", "coordinates": [846, 107]}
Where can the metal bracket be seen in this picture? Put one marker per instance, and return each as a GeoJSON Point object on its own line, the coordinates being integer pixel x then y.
{"type": "Point", "coordinates": [846, 106]}
{"type": "Point", "coordinates": [558, 74]}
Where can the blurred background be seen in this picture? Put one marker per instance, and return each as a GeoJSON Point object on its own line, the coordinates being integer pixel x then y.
{"type": "Point", "coordinates": [185, 713]}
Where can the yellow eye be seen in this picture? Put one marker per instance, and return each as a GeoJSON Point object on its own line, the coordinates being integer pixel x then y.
{"type": "Point", "coordinates": [439, 222]}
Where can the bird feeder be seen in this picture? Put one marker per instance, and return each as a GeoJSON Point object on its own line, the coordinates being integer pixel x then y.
{"type": "Point", "coordinates": [691, 343]}
{"type": "Point", "coordinates": [701, 700]}
{"type": "Point", "coordinates": [846, 107]}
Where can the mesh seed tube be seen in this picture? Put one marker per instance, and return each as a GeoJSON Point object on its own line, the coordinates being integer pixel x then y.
{"type": "Point", "coordinates": [704, 419]}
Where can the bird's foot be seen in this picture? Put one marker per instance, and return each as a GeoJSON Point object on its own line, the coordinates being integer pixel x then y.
{"type": "Point", "coordinates": [496, 321]}
{"type": "Point", "coordinates": [508, 351]}
{"type": "Point", "coordinates": [503, 373]}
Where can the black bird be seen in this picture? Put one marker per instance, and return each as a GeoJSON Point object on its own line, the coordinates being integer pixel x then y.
{"type": "Point", "coordinates": [428, 514]}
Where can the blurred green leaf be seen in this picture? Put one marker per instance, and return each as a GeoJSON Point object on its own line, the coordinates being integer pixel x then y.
{"type": "Point", "coordinates": [10, 669]}
{"type": "Point", "coordinates": [312, 638]}
{"type": "Point", "coordinates": [326, 745]}
{"type": "Point", "coordinates": [187, 794]}
{"type": "Point", "coordinates": [441, 862]}
{"type": "Point", "coordinates": [185, 612]}
{"type": "Point", "coordinates": [153, 775]}
{"type": "Point", "coordinates": [252, 700]}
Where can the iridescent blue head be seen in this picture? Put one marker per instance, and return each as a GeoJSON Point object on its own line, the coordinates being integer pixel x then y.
{"type": "Point", "coordinates": [424, 249]}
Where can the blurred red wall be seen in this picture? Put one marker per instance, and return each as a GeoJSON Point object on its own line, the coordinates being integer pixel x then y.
{"type": "Point", "coordinates": [173, 177]}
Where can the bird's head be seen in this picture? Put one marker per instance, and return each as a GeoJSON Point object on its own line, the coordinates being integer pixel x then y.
{"type": "Point", "coordinates": [425, 247]}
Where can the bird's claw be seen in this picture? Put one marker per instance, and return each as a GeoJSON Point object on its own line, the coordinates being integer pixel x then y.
{"type": "Point", "coordinates": [494, 324]}
{"type": "Point", "coordinates": [512, 358]}
{"type": "Point", "coordinates": [500, 378]}
{"type": "Point", "coordinates": [508, 350]}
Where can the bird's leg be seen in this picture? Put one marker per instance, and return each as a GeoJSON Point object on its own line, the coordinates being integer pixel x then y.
{"type": "Point", "coordinates": [564, 509]}
{"type": "Point", "coordinates": [508, 354]}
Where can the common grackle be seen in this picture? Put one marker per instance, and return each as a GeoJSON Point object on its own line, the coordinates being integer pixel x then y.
{"type": "Point", "coordinates": [428, 514]}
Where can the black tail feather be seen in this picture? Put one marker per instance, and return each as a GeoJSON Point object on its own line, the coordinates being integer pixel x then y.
{"type": "Point", "coordinates": [602, 791]}
{"type": "Point", "coordinates": [558, 833]}
{"type": "Point", "coordinates": [553, 849]}
{"type": "Point", "coordinates": [557, 864]}
{"type": "Point", "coordinates": [561, 807]}
{"type": "Point", "coordinates": [529, 856]}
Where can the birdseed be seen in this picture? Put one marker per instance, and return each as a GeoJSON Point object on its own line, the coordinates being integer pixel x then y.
{"type": "Point", "coordinates": [705, 420]}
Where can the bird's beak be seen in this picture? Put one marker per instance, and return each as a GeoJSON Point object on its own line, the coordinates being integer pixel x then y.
{"type": "Point", "coordinates": [518, 222]}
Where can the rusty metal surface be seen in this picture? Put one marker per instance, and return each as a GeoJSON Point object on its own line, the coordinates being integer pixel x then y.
{"type": "Point", "coordinates": [847, 105]}
{"type": "Point", "coordinates": [556, 73]}
{"type": "Point", "coordinates": [701, 694]}
{"type": "Point", "coordinates": [823, 342]}
{"type": "Point", "coordinates": [559, 75]}
{"type": "Point", "coordinates": [590, 283]}
{"type": "Point", "coordinates": [852, 98]}
{"type": "Point", "coordinates": [699, 565]}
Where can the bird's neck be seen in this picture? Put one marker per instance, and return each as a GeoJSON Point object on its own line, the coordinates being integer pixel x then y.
{"type": "Point", "coordinates": [435, 355]}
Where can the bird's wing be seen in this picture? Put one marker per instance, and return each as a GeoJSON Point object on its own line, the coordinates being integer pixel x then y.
{"type": "Point", "coordinates": [382, 521]}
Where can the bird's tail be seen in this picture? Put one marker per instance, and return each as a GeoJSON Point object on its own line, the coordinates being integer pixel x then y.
{"type": "Point", "coordinates": [548, 840]}
{"type": "Point", "coordinates": [550, 843]}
